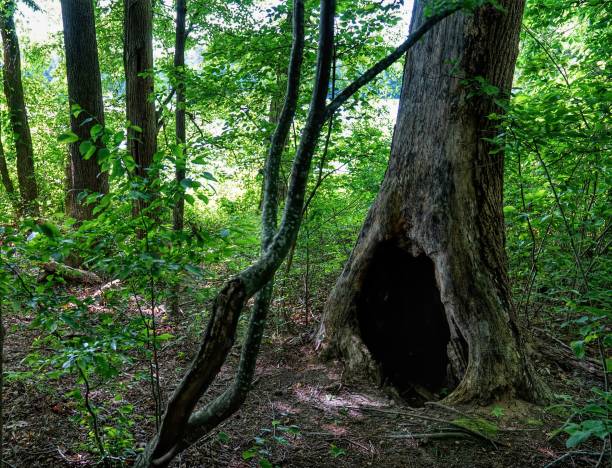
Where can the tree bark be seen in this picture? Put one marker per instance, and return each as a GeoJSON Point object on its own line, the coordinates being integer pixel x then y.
{"type": "Point", "coordinates": [84, 90]}
{"type": "Point", "coordinates": [179, 113]}
{"type": "Point", "coordinates": [138, 63]}
{"type": "Point", "coordinates": [2, 337]}
{"type": "Point", "coordinates": [424, 298]}
{"type": "Point", "coordinates": [7, 182]}
{"type": "Point", "coordinates": [13, 90]}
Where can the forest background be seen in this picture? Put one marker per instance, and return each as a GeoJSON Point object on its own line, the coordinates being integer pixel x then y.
{"type": "Point", "coordinates": [555, 133]}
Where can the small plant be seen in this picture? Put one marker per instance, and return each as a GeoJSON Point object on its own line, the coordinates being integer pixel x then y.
{"type": "Point", "coordinates": [278, 435]}
{"type": "Point", "coordinates": [591, 420]}
{"type": "Point", "coordinates": [497, 412]}
{"type": "Point", "coordinates": [336, 452]}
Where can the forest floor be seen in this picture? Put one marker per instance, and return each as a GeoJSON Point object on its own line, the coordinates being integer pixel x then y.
{"type": "Point", "coordinates": [300, 413]}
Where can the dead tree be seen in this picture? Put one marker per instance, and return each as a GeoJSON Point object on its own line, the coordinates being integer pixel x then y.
{"type": "Point", "coordinates": [424, 301]}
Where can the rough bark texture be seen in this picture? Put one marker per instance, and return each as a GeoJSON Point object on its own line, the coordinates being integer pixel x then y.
{"type": "Point", "coordinates": [84, 89]}
{"type": "Point", "coordinates": [13, 90]}
{"type": "Point", "coordinates": [179, 114]}
{"type": "Point", "coordinates": [138, 63]}
{"type": "Point", "coordinates": [434, 237]}
{"type": "Point", "coordinates": [2, 335]}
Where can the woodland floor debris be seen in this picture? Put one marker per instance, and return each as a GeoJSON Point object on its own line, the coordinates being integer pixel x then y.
{"type": "Point", "coordinates": [333, 421]}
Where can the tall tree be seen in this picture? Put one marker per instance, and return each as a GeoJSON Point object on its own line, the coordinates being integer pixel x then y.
{"type": "Point", "coordinates": [424, 299]}
{"type": "Point", "coordinates": [138, 63]}
{"type": "Point", "coordinates": [179, 114]}
{"type": "Point", "coordinates": [13, 90]}
{"type": "Point", "coordinates": [85, 91]}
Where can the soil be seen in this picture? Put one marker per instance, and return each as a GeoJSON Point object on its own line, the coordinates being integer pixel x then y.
{"type": "Point", "coordinates": [301, 412]}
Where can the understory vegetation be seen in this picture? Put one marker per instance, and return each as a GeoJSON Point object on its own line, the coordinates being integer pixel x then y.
{"type": "Point", "coordinates": [103, 315]}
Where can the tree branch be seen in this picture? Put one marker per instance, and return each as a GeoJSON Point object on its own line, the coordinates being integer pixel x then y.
{"type": "Point", "coordinates": [386, 62]}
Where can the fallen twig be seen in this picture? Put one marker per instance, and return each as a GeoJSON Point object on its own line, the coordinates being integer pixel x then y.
{"type": "Point", "coordinates": [569, 454]}
{"type": "Point", "coordinates": [430, 418]}
{"type": "Point", "coordinates": [433, 435]}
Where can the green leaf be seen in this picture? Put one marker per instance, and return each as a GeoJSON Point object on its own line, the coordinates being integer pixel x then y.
{"type": "Point", "coordinates": [209, 176]}
{"type": "Point", "coordinates": [49, 230]}
{"type": "Point", "coordinates": [223, 437]}
{"type": "Point", "coordinates": [96, 131]}
{"type": "Point", "coordinates": [103, 154]}
{"type": "Point", "coordinates": [68, 137]}
{"type": "Point", "coordinates": [578, 347]}
{"type": "Point", "coordinates": [497, 411]}
{"type": "Point", "coordinates": [87, 149]}
{"type": "Point", "coordinates": [281, 440]}
{"type": "Point", "coordinates": [265, 463]}
{"type": "Point", "coordinates": [336, 451]}
{"type": "Point", "coordinates": [165, 337]}
{"type": "Point", "coordinates": [76, 110]}
{"type": "Point", "coordinates": [189, 183]}
{"type": "Point", "coordinates": [577, 438]}
{"type": "Point", "coordinates": [250, 453]}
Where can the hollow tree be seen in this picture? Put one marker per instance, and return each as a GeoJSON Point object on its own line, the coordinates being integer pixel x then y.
{"type": "Point", "coordinates": [15, 101]}
{"type": "Point", "coordinates": [182, 424]}
{"type": "Point", "coordinates": [140, 107]}
{"type": "Point", "coordinates": [423, 302]}
{"type": "Point", "coordinates": [84, 90]}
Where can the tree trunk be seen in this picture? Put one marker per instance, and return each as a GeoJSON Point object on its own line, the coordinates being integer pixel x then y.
{"type": "Point", "coordinates": [7, 183]}
{"type": "Point", "coordinates": [178, 213]}
{"type": "Point", "coordinates": [84, 90]}
{"type": "Point", "coordinates": [424, 302]}
{"type": "Point", "coordinates": [2, 336]}
{"type": "Point", "coordinates": [138, 63]}
{"type": "Point", "coordinates": [179, 114]}
{"type": "Point", "coordinates": [13, 90]}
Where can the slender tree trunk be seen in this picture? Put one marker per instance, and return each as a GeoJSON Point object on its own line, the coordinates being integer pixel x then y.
{"type": "Point", "coordinates": [7, 182]}
{"type": "Point", "coordinates": [424, 300]}
{"type": "Point", "coordinates": [138, 63]}
{"type": "Point", "coordinates": [13, 90]}
{"type": "Point", "coordinates": [84, 90]}
{"type": "Point", "coordinates": [179, 115]}
{"type": "Point", "coordinates": [178, 213]}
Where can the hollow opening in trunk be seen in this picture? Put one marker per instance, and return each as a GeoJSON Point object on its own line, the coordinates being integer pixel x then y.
{"type": "Point", "coordinates": [403, 324]}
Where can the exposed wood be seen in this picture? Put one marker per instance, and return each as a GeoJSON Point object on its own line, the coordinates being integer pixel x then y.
{"type": "Point", "coordinates": [68, 273]}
